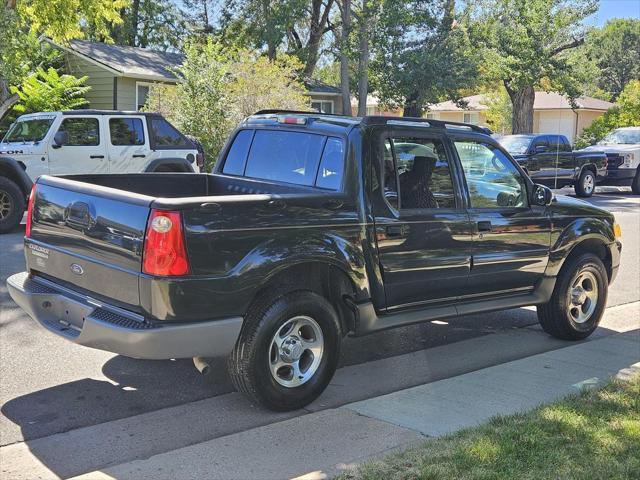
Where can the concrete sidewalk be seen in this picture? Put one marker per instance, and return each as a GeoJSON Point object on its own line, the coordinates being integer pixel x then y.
{"type": "Point", "coordinates": [322, 444]}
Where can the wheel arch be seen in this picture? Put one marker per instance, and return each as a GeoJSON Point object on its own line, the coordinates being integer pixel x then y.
{"type": "Point", "coordinates": [14, 171]}
{"type": "Point", "coordinates": [582, 239]}
{"type": "Point", "coordinates": [175, 164]}
{"type": "Point", "coordinates": [322, 276]}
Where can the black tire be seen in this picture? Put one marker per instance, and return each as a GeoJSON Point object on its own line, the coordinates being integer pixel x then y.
{"type": "Point", "coordinates": [554, 316]}
{"type": "Point", "coordinates": [12, 205]}
{"type": "Point", "coordinates": [586, 184]}
{"type": "Point", "coordinates": [635, 185]}
{"type": "Point", "coordinates": [248, 364]}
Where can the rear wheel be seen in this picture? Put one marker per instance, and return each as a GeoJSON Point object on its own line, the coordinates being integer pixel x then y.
{"type": "Point", "coordinates": [586, 184]}
{"type": "Point", "coordinates": [12, 204]}
{"type": "Point", "coordinates": [287, 351]}
{"type": "Point", "coordinates": [578, 300]}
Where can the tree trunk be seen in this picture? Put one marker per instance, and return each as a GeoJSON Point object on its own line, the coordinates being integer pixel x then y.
{"type": "Point", "coordinates": [7, 103]}
{"type": "Point", "coordinates": [317, 25]}
{"type": "Point", "coordinates": [135, 21]}
{"type": "Point", "coordinates": [345, 89]}
{"type": "Point", "coordinates": [522, 102]}
{"type": "Point", "coordinates": [363, 60]}
{"type": "Point", "coordinates": [411, 107]}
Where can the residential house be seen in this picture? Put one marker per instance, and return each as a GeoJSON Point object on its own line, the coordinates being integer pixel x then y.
{"type": "Point", "coordinates": [120, 76]}
{"type": "Point", "coordinates": [552, 113]}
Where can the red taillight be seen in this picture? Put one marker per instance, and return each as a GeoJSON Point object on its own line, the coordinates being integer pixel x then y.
{"type": "Point", "coordinates": [164, 247]}
{"type": "Point", "coordinates": [32, 198]}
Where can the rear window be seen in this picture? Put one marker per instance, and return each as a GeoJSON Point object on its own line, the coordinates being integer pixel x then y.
{"type": "Point", "coordinates": [126, 131]}
{"type": "Point", "coordinates": [165, 135]}
{"type": "Point", "coordinates": [292, 157]}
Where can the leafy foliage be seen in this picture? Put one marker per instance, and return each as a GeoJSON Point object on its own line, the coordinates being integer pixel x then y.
{"type": "Point", "coordinates": [626, 113]}
{"type": "Point", "coordinates": [615, 50]}
{"type": "Point", "coordinates": [499, 112]}
{"type": "Point", "coordinates": [416, 43]}
{"type": "Point", "coordinates": [64, 20]}
{"type": "Point", "coordinates": [47, 90]}
{"type": "Point", "coordinates": [219, 86]}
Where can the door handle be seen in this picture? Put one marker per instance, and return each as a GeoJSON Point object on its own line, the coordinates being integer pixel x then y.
{"type": "Point", "coordinates": [484, 226]}
{"type": "Point", "coordinates": [396, 231]}
{"type": "Point", "coordinates": [96, 156]}
{"type": "Point", "coordinates": [139, 155]}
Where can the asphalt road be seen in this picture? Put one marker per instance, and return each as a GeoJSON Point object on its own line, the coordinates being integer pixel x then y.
{"type": "Point", "coordinates": [49, 385]}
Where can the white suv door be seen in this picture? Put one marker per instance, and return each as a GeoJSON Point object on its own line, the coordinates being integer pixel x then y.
{"type": "Point", "coordinates": [128, 143]}
{"type": "Point", "coordinates": [85, 149]}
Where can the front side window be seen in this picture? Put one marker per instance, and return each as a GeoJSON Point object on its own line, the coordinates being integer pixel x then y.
{"type": "Point", "coordinates": [493, 181]}
{"type": "Point", "coordinates": [423, 173]}
{"type": "Point", "coordinates": [126, 131]}
{"type": "Point", "coordinates": [82, 132]}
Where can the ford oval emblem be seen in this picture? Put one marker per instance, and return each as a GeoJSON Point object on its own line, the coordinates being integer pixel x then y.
{"type": "Point", "coordinates": [77, 269]}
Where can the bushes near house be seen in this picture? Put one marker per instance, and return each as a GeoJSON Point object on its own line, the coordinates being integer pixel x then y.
{"type": "Point", "coordinates": [219, 86]}
{"type": "Point", "coordinates": [625, 113]}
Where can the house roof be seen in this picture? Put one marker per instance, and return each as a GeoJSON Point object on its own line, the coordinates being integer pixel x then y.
{"type": "Point", "coordinates": [318, 87]}
{"type": "Point", "coordinates": [127, 61]}
{"type": "Point", "coordinates": [543, 101]}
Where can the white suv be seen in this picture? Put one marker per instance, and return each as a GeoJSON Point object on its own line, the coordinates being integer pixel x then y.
{"type": "Point", "coordinates": [86, 141]}
{"type": "Point", "coordinates": [622, 147]}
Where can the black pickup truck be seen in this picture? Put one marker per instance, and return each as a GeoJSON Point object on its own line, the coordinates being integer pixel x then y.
{"type": "Point", "coordinates": [312, 227]}
{"type": "Point", "coordinates": [549, 160]}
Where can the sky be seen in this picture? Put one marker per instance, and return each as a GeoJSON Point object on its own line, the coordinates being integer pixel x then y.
{"type": "Point", "coordinates": [615, 9]}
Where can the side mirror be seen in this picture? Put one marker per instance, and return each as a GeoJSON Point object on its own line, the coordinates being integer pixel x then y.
{"type": "Point", "coordinates": [540, 148]}
{"type": "Point", "coordinates": [60, 138]}
{"type": "Point", "coordinates": [542, 195]}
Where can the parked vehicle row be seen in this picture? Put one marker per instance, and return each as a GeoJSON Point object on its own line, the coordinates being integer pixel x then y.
{"type": "Point", "coordinates": [86, 141]}
{"type": "Point", "coordinates": [312, 227]}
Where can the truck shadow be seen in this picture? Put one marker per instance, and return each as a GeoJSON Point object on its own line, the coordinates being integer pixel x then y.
{"type": "Point", "coordinates": [136, 386]}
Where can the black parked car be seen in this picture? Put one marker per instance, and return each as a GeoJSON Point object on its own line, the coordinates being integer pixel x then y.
{"type": "Point", "coordinates": [549, 160]}
{"type": "Point", "coordinates": [312, 227]}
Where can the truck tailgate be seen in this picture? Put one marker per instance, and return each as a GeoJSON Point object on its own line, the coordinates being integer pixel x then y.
{"type": "Point", "coordinates": [88, 236]}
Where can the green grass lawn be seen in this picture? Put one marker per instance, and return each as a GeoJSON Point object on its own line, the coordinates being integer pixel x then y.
{"type": "Point", "coordinates": [594, 435]}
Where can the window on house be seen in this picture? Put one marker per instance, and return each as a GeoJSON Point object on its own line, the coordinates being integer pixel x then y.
{"type": "Point", "coordinates": [433, 115]}
{"type": "Point", "coordinates": [371, 110]}
{"type": "Point", "coordinates": [322, 106]}
{"type": "Point", "coordinates": [471, 117]}
{"type": "Point", "coordinates": [126, 131]}
{"type": "Point", "coordinates": [142, 95]}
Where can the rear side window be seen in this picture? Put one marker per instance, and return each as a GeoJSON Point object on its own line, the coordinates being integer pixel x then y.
{"type": "Point", "coordinates": [165, 135]}
{"type": "Point", "coordinates": [126, 131]}
{"type": "Point", "coordinates": [83, 132]}
{"type": "Point", "coordinates": [291, 157]}
{"type": "Point", "coordinates": [237, 156]}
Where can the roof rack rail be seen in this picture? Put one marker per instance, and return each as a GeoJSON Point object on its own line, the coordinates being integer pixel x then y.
{"type": "Point", "coordinates": [274, 111]}
{"type": "Point", "coordinates": [426, 122]}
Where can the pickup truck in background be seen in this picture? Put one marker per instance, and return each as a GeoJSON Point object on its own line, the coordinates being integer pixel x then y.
{"type": "Point", "coordinates": [622, 147]}
{"type": "Point", "coordinates": [549, 160]}
{"type": "Point", "coordinates": [312, 227]}
{"type": "Point", "coordinates": [86, 141]}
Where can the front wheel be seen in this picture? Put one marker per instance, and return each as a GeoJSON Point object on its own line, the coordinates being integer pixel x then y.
{"type": "Point", "coordinates": [586, 184]}
{"type": "Point", "coordinates": [12, 204]}
{"type": "Point", "coordinates": [635, 185]}
{"type": "Point", "coordinates": [578, 300]}
{"type": "Point", "coordinates": [288, 350]}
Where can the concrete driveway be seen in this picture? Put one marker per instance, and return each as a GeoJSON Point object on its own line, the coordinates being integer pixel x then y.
{"type": "Point", "coordinates": [137, 408]}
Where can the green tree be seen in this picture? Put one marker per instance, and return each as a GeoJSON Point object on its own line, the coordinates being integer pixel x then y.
{"type": "Point", "coordinates": [626, 113]}
{"type": "Point", "coordinates": [47, 90]}
{"type": "Point", "coordinates": [525, 45]}
{"type": "Point", "coordinates": [220, 86]}
{"type": "Point", "coordinates": [499, 111]}
{"type": "Point", "coordinates": [421, 55]}
{"type": "Point", "coordinates": [150, 24]}
{"type": "Point", "coordinates": [615, 50]}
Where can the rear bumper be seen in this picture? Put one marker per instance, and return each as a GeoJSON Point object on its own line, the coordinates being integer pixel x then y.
{"type": "Point", "coordinates": [87, 322]}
